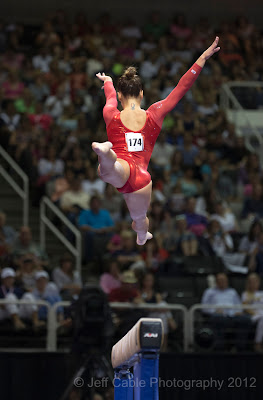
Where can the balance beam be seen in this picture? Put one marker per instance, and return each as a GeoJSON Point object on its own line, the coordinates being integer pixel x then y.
{"type": "Point", "coordinates": [138, 349]}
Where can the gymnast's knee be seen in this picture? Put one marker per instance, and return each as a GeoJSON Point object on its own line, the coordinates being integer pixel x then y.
{"type": "Point", "coordinates": [137, 217]}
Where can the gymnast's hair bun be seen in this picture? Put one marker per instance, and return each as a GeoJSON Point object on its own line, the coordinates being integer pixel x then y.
{"type": "Point", "coordinates": [129, 73]}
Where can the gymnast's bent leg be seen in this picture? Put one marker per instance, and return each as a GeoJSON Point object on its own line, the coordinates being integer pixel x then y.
{"type": "Point", "coordinates": [111, 170]}
{"type": "Point", "coordinates": [138, 203]}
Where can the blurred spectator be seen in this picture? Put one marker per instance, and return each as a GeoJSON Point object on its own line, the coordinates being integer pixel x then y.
{"type": "Point", "coordinates": [222, 245]}
{"type": "Point", "coordinates": [225, 217]}
{"type": "Point", "coordinates": [12, 310]}
{"type": "Point", "coordinates": [154, 255]}
{"type": "Point", "coordinates": [188, 150]}
{"type": "Point", "coordinates": [111, 201]}
{"type": "Point", "coordinates": [162, 152]}
{"type": "Point", "coordinates": [12, 87]}
{"type": "Point", "coordinates": [48, 291]}
{"type": "Point", "coordinates": [249, 242]}
{"type": "Point", "coordinates": [92, 184]}
{"type": "Point", "coordinates": [253, 205]}
{"type": "Point", "coordinates": [127, 292]}
{"type": "Point", "coordinates": [111, 278]}
{"type": "Point", "coordinates": [97, 226]}
{"type": "Point", "coordinates": [222, 318]}
{"type": "Point", "coordinates": [7, 235]}
{"type": "Point", "coordinates": [24, 244]}
{"type": "Point", "coordinates": [150, 296]}
{"type": "Point", "coordinates": [182, 241]}
{"type": "Point", "coordinates": [67, 278]}
{"type": "Point", "coordinates": [74, 197]}
{"type": "Point", "coordinates": [128, 255]}
{"type": "Point", "coordinates": [253, 296]}
{"type": "Point", "coordinates": [196, 223]}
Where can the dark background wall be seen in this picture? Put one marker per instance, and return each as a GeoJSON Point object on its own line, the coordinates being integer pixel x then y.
{"type": "Point", "coordinates": [32, 10]}
{"type": "Point", "coordinates": [25, 376]}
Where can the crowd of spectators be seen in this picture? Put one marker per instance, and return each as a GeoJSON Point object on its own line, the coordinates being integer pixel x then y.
{"type": "Point", "coordinates": [51, 110]}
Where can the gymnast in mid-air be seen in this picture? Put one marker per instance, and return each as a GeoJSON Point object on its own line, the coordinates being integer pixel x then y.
{"type": "Point", "coordinates": [132, 133]}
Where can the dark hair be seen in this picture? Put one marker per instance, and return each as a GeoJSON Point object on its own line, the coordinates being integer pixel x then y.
{"type": "Point", "coordinates": [251, 236]}
{"type": "Point", "coordinates": [129, 84]}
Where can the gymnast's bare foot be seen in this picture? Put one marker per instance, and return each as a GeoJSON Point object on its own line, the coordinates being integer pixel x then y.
{"type": "Point", "coordinates": [142, 238]}
{"type": "Point", "coordinates": [101, 148]}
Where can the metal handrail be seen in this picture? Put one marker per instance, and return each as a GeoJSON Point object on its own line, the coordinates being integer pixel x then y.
{"type": "Point", "coordinates": [226, 95]}
{"type": "Point", "coordinates": [203, 307]}
{"type": "Point", "coordinates": [46, 222]}
{"type": "Point", "coordinates": [22, 192]}
{"type": "Point", "coordinates": [29, 302]}
{"type": "Point", "coordinates": [53, 324]}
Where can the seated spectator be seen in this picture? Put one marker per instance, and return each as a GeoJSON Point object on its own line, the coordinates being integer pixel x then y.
{"type": "Point", "coordinates": [111, 201]}
{"type": "Point", "coordinates": [196, 223]}
{"type": "Point", "coordinates": [253, 296]}
{"type": "Point", "coordinates": [225, 217]}
{"type": "Point", "coordinates": [92, 184]}
{"type": "Point", "coordinates": [7, 235]}
{"type": "Point", "coordinates": [9, 118]}
{"type": "Point", "coordinates": [162, 153]}
{"type": "Point", "coordinates": [12, 310]}
{"type": "Point", "coordinates": [50, 166]}
{"type": "Point", "coordinates": [128, 255]}
{"type": "Point", "coordinates": [25, 104]}
{"type": "Point", "coordinates": [48, 291]}
{"type": "Point", "coordinates": [27, 268]}
{"type": "Point", "coordinates": [253, 206]}
{"type": "Point", "coordinates": [249, 242]}
{"type": "Point", "coordinates": [67, 278]}
{"type": "Point", "coordinates": [220, 241]}
{"type": "Point", "coordinates": [128, 291]}
{"type": "Point", "coordinates": [74, 197]}
{"type": "Point", "coordinates": [256, 257]}
{"type": "Point", "coordinates": [111, 278]}
{"type": "Point", "coordinates": [154, 255]}
{"type": "Point", "coordinates": [12, 87]}
{"type": "Point", "coordinates": [24, 244]}
{"type": "Point", "coordinates": [150, 296]}
{"type": "Point", "coordinates": [183, 242]}
{"type": "Point", "coordinates": [97, 226]}
{"type": "Point", "coordinates": [39, 119]}
{"type": "Point", "coordinates": [222, 318]}
{"type": "Point", "coordinates": [188, 150]}
{"type": "Point", "coordinates": [190, 187]}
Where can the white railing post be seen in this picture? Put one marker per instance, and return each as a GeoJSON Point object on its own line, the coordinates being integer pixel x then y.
{"type": "Point", "coordinates": [23, 193]}
{"type": "Point", "coordinates": [45, 222]}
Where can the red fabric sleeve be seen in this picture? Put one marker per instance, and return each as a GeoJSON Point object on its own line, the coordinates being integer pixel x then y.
{"type": "Point", "coordinates": [110, 108]}
{"type": "Point", "coordinates": [161, 108]}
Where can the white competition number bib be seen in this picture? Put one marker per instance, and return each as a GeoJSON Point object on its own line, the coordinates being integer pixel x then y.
{"type": "Point", "coordinates": [134, 141]}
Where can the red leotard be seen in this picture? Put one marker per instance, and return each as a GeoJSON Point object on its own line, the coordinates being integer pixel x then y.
{"type": "Point", "coordinates": [139, 160]}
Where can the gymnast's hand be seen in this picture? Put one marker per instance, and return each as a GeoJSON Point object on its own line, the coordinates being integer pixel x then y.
{"type": "Point", "coordinates": [104, 78]}
{"type": "Point", "coordinates": [212, 49]}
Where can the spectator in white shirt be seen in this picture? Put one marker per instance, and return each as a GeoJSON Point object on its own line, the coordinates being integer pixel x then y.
{"type": "Point", "coordinates": [42, 60]}
{"type": "Point", "coordinates": [222, 318]}
{"type": "Point", "coordinates": [253, 296]}
{"type": "Point", "coordinates": [162, 152]}
{"type": "Point", "coordinates": [92, 184]}
{"type": "Point", "coordinates": [51, 165]}
{"type": "Point", "coordinates": [67, 278]}
{"type": "Point", "coordinates": [225, 217]}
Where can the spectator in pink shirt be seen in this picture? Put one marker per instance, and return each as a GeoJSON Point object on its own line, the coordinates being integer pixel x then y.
{"type": "Point", "coordinates": [111, 279]}
{"type": "Point", "coordinates": [12, 87]}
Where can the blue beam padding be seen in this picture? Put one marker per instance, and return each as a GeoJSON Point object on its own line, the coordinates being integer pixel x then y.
{"type": "Point", "coordinates": [146, 377]}
{"type": "Point", "coordinates": [123, 385]}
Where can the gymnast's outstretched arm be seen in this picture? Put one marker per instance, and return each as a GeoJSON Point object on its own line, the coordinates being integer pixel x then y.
{"type": "Point", "coordinates": [161, 108]}
{"type": "Point", "coordinates": [110, 108]}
